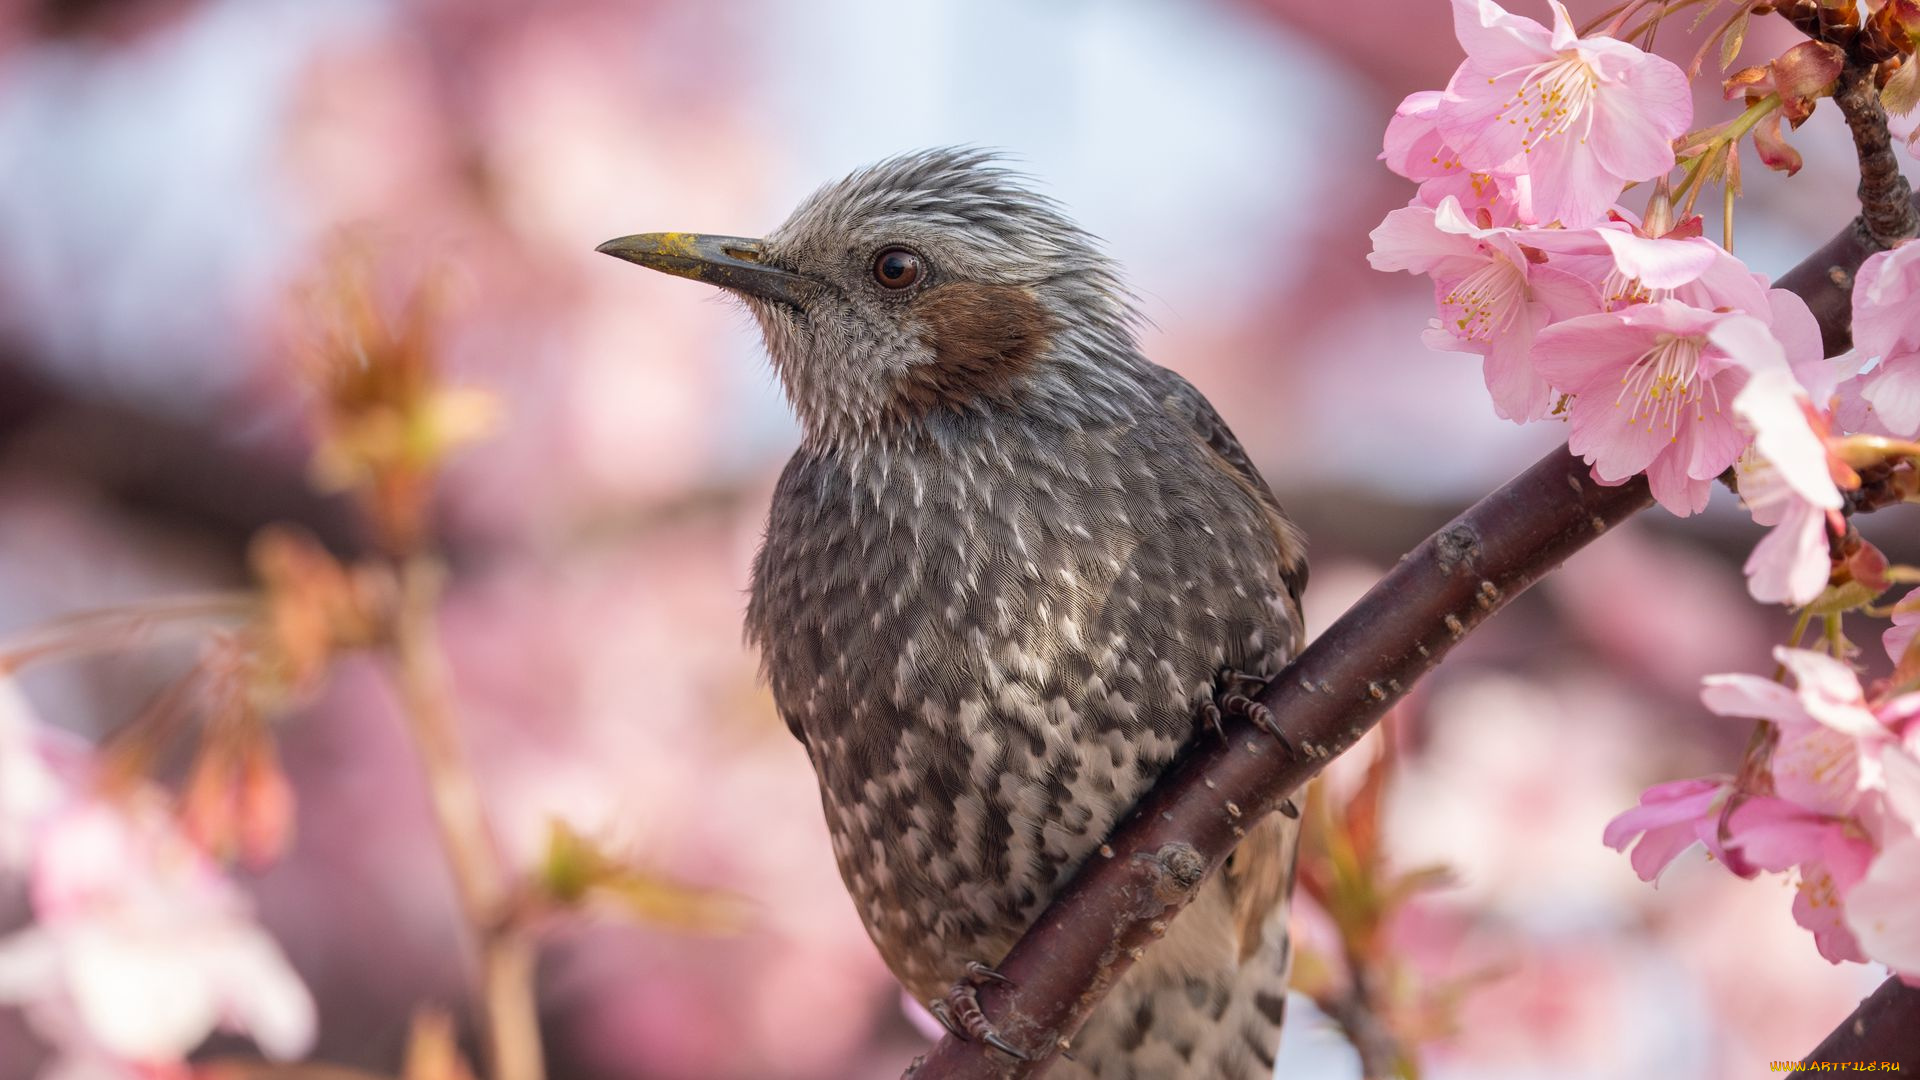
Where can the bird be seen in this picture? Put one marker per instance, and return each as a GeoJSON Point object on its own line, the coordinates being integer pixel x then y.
{"type": "Point", "coordinates": [1012, 567]}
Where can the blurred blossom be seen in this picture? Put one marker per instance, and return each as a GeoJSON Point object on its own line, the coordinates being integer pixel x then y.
{"type": "Point", "coordinates": [31, 785]}
{"type": "Point", "coordinates": [1659, 609]}
{"type": "Point", "coordinates": [139, 948]}
{"type": "Point", "coordinates": [1503, 730]}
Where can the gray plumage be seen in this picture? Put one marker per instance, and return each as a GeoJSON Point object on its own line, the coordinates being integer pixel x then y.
{"type": "Point", "coordinates": [999, 579]}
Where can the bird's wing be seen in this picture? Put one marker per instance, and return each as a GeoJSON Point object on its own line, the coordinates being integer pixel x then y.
{"type": "Point", "coordinates": [1180, 399]}
{"type": "Point", "coordinates": [1259, 876]}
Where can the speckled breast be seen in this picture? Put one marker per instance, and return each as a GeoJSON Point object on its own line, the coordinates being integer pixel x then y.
{"type": "Point", "coordinates": [991, 639]}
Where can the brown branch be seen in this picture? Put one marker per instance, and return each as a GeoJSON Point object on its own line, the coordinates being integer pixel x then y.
{"type": "Point", "coordinates": [1120, 901]}
{"type": "Point", "coordinates": [1887, 214]}
{"type": "Point", "coordinates": [1886, 200]}
{"type": "Point", "coordinates": [510, 1018]}
{"type": "Point", "coordinates": [1358, 1015]}
{"type": "Point", "coordinates": [1886, 1027]}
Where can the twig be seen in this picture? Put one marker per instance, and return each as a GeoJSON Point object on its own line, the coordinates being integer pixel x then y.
{"type": "Point", "coordinates": [1357, 1013]}
{"type": "Point", "coordinates": [510, 1016]}
{"type": "Point", "coordinates": [1886, 200]}
{"type": "Point", "coordinates": [1337, 689]}
{"type": "Point", "coordinates": [91, 632]}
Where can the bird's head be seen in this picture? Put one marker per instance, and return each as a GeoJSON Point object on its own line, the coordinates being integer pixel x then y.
{"type": "Point", "coordinates": [929, 283]}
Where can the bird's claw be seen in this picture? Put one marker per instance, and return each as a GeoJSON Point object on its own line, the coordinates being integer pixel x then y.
{"type": "Point", "coordinates": [960, 1011]}
{"type": "Point", "coordinates": [978, 973]}
{"type": "Point", "coordinates": [1210, 717]}
{"type": "Point", "coordinates": [1231, 698]}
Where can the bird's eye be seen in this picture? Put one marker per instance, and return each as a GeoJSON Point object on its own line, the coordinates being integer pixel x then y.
{"type": "Point", "coordinates": [896, 268]}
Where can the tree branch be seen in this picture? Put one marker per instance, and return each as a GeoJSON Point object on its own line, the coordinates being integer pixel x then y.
{"type": "Point", "coordinates": [1886, 1027]}
{"type": "Point", "coordinates": [1120, 901]}
{"type": "Point", "coordinates": [1886, 200]}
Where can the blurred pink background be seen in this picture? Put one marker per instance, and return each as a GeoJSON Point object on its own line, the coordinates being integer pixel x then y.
{"type": "Point", "coordinates": [170, 169]}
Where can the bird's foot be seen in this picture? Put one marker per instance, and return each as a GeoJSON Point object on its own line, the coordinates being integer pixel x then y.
{"type": "Point", "coordinates": [1234, 695]}
{"type": "Point", "coordinates": [959, 1012]}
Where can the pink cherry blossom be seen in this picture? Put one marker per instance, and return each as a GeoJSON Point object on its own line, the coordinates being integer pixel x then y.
{"type": "Point", "coordinates": [1493, 297]}
{"type": "Point", "coordinates": [1881, 913]}
{"type": "Point", "coordinates": [1652, 389]}
{"type": "Point", "coordinates": [1828, 756]}
{"type": "Point", "coordinates": [1585, 117]}
{"type": "Point", "coordinates": [1791, 564]}
{"type": "Point", "coordinates": [1630, 265]}
{"type": "Point", "coordinates": [1898, 638]}
{"type": "Point", "coordinates": [138, 933]}
{"type": "Point", "coordinates": [30, 785]}
{"type": "Point", "coordinates": [1900, 766]}
{"type": "Point", "coordinates": [1830, 855]}
{"type": "Point", "coordinates": [1413, 148]}
{"type": "Point", "coordinates": [139, 948]}
{"type": "Point", "coordinates": [1671, 818]}
{"type": "Point", "coordinates": [1844, 815]}
{"type": "Point", "coordinates": [1846, 810]}
{"type": "Point", "coordinates": [1886, 324]}
{"type": "Point", "coordinates": [1787, 479]}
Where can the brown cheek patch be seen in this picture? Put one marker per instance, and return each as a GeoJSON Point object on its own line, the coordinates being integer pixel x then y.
{"type": "Point", "coordinates": [983, 337]}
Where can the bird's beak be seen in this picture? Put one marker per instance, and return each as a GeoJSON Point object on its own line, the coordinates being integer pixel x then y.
{"type": "Point", "coordinates": [731, 262]}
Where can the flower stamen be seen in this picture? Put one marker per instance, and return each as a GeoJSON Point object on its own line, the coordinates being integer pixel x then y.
{"type": "Point", "coordinates": [1485, 302]}
{"type": "Point", "coordinates": [1552, 98]}
{"type": "Point", "coordinates": [1664, 381]}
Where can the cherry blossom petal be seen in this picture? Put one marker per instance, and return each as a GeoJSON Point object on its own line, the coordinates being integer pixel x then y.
{"type": "Point", "coordinates": [1751, 696]}
{"type": "Point", "coordinates": [1899, 637]}
{"type": "Point", "coordinates": [1408, 239]}
{"type": "Point", "coordinates": [1583, 355]}
{"type": "Point", "coordinates": [1565, 296]}
{"type": "Point", "coordinates": [1886, 317]}
{"type": "Point", "coordinates": [1822, 770]}
{"type": "Point", "coordinates": [142, 998]}
{"type": "Point", "coordinates": [1792, 324]}
{"type": "Point", "coordinates": [1470, 120]}
{"type": "Point", "coordinates": [1775, 834]}
{"type": "Point", "coordinates": [1632, 136]}
{"type": "Point", "coordinates": [1882, 912]}
{"type": "Point", "coordinates": [1900, 771]}
{"type": "Point", "coordinates": [1575, 188]}
{"type": "Point", "coordinates": [1519, 393]}
{"type": "Point", "coordinates": [1670, 478]}
{"type": "Point", "coordinates": [1668, 821]}
{"type": "Point", "coordinates": [1819, 906]}
{"type": "Point", "coordinates": [1655, 262]}
{"type": "Point", "coordinates": [1893, 390]}
{"type": "Point", "coordinates": [1791, 564]}
{"type": "Point", "coordinates": [1771, 406]}
{"type": "Point", "coordinates": [1707, 441]}
{"type": "Point", "coordinates": [1830, 692]}
{"type": "Point", "coordinates": [1412, 146]}
{"type": "Point", "coordinates": [1497, 40]}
